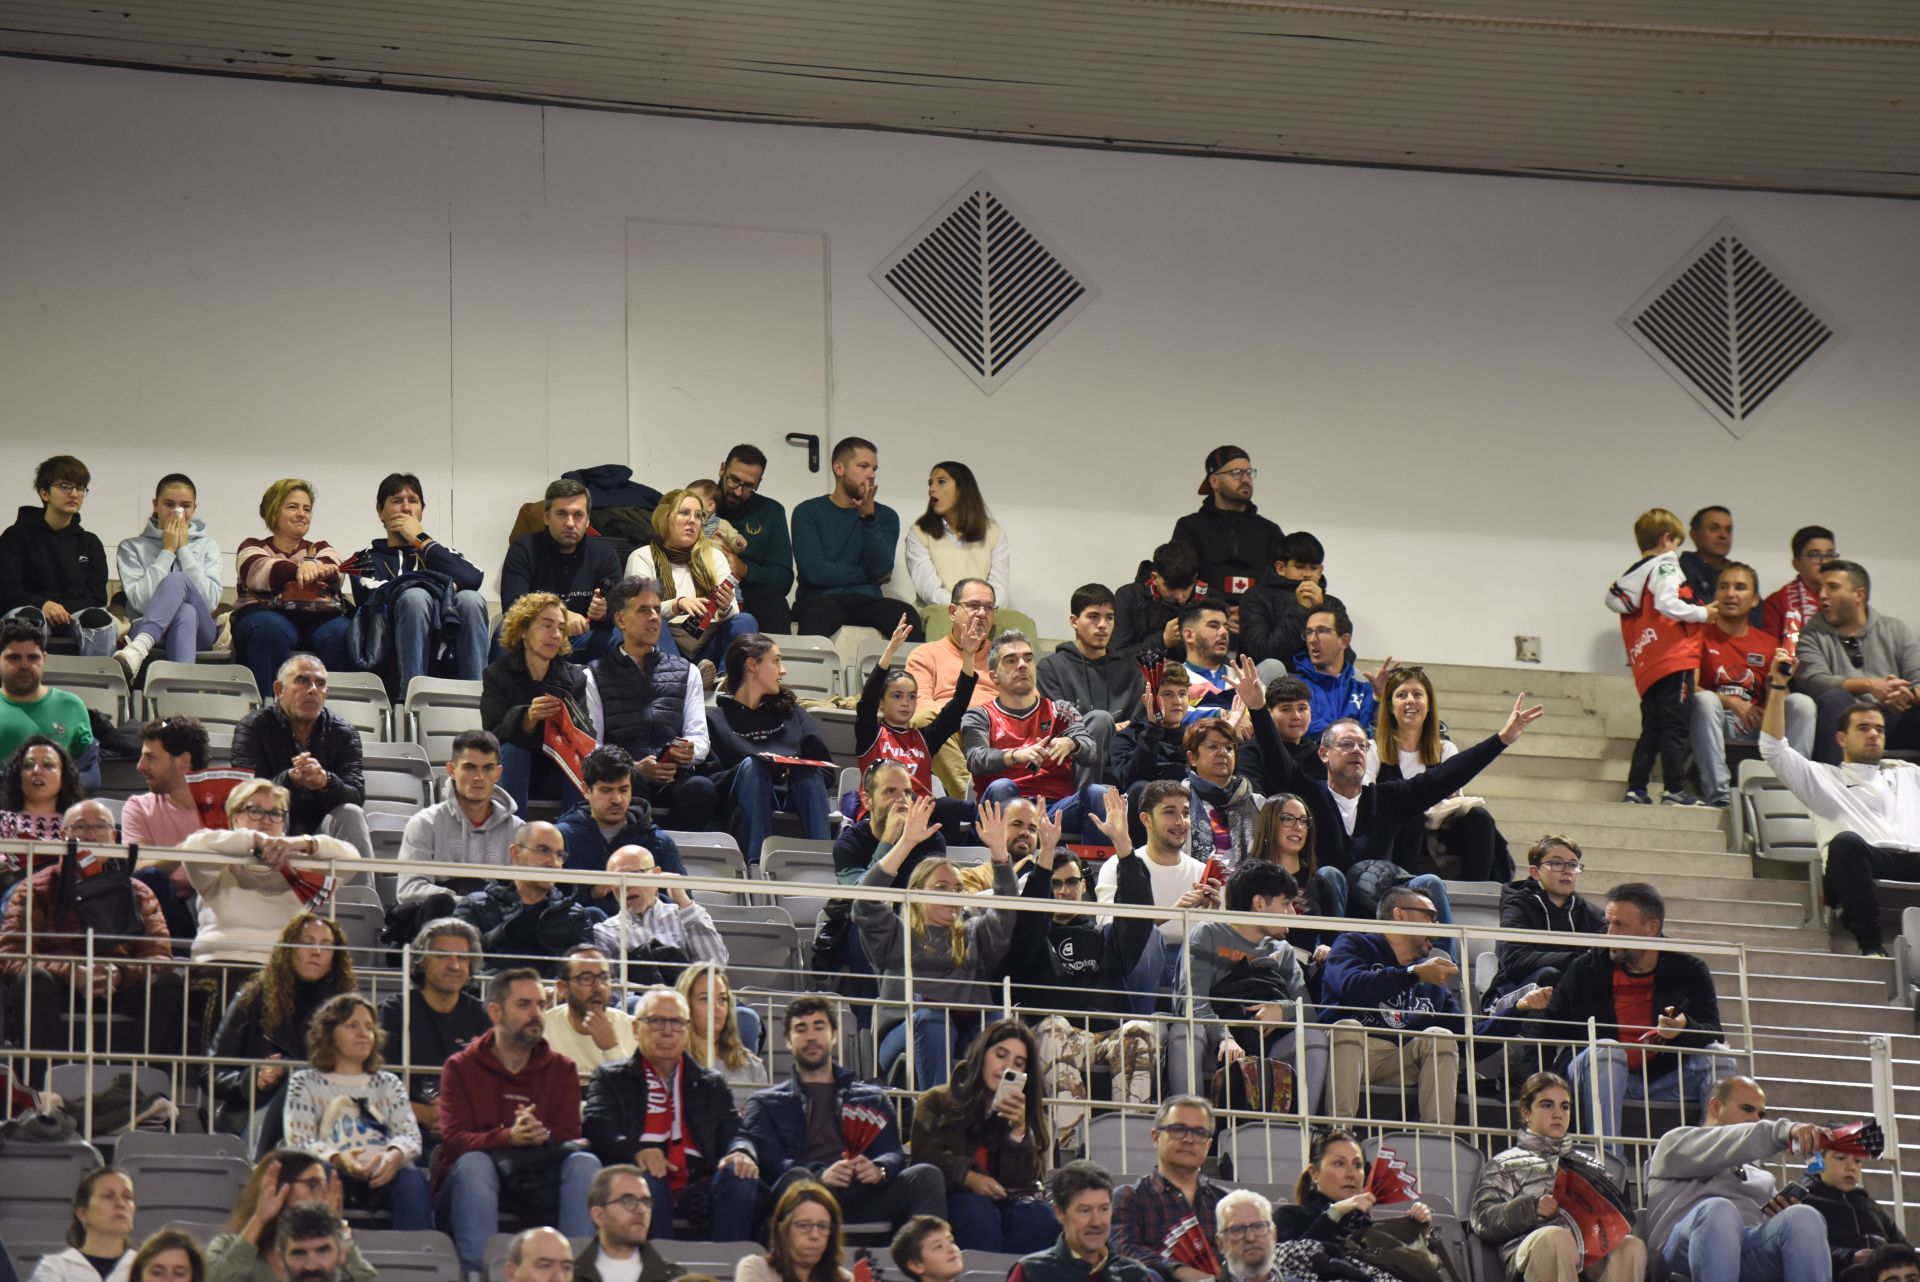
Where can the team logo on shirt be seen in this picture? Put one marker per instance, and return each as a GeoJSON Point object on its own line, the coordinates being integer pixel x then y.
{"type": "Point", "coordinates": [58, 729]}
{"type": "Point", "coordinates": [1756, 660]}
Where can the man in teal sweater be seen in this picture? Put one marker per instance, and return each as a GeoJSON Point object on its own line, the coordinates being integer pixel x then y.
{"type": "Point", "coordinates": [843, 547]}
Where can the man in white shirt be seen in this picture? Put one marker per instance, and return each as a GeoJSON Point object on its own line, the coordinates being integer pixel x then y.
{"type": "Point", "coordinates": [1167, 814]}
{"type": "Point", "coordinates": [579, 1024]}
{"type": "Point", "coordinates": [1866, 811]}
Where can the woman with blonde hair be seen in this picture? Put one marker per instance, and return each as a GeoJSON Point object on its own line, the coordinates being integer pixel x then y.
{"type": "Point", "coordinates": [803, 1238]}
{"type": "Point", "coordinates": [346, 1109]}
{"type": "Point", "coordinates": [534, 682]}
{"type": "Point", "coordinates": [245, 905]}
{"type": "Point", "coordinates": [954, 954]}
{"type": "Point", "coordinates": [713, 1021]}
{"type": "Point", "coordinates": [268, 1019]}
{"type": "Point", "coordinates": [287, 589]}
{"type": "Point", "coordinates": [1407, 743]}
{"type": "Point", "coordinates": [701, 602]}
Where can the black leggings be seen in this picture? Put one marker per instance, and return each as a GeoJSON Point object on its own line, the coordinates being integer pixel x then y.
{"type": "Point", "coordinates": [1664, 712]}
{"type": "Point", "coordinates": [822, 616]}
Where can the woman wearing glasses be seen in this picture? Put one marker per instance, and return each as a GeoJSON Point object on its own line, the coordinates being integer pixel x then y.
{"type": "Point", "coordinates": [246, 905]}
{"type": "Point", "coordinates": [1547, 898]}
{"type": "Point", "coordinates": [40, 784]}
{"type": "Point", "coordinates": [1406, 742]}
{"type": "Point", "coordinates": [805, 1240]}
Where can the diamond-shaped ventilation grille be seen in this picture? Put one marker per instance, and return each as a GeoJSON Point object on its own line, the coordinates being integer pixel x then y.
{"type": "Point", "coordinates": [982, 285]}
{"type": "Point", "coordinates": [1728, 328]}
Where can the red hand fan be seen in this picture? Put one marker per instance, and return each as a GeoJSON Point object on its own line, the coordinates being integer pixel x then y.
{"type": "Point", "coordinates": [1390, 1181]}
{"type": "Point", "coordinates": [861, 1124]}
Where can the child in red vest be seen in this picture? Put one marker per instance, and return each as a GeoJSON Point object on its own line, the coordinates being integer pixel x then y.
{"type": "Point", "coordinates": [883, 729]}
{"type": "Point", "coordinates": [1660, 626]}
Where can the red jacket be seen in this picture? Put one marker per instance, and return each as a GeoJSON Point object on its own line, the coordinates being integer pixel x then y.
{"type": "Point", "coordinates": [1659, 623]}
{"type": "Point", "coordinates": [478, 1097]}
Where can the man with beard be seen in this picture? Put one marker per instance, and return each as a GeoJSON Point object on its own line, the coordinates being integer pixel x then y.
{"type": "Point", "coordinates": [28, 707]}
{"type": "Point", "coordinates": [844, 544]}
{"type": "Point", "coordinates": [1644, 1001]}
{"type": "Point", "coordinates": [675, 1120]}
{"type": "Point", "coordinates": [309, 1244]}
{"type": "Point", "coordinates": [1166, 814]}
{"type": "Point", "coordinates": [1077, 964]}
{"type": "Point", "coordinates": [885, 790]}
{"type": "Point", "coordinates": [1850, 652]}
{"type": "Point", "coordinates": [1025, 745]}
{"type": "Point", "coordinates": [509, 1091]}
{"type": "Point", "coordinates": [566, 560]}
{"type": "Point", "coordinates": [579, 1025]}
{"type": "Point", "coordinates": [660, 926]}
{"type": "Point", "coordinates": [522, 919]}
{"type": "Point", "coordinates": [435, 1014]}
{"type": "Point", "coordinates": [762, 522]}
{"type": "Point", "coordinates": [1235, 545]}
{"type": "Point", "coordinates": [823, 1123]}
{"type": "Point", "coordinates": [311, 752]}
{"type": "Point", "coordinates": [1206, 639]}
{"type": "Point", "coordinates": [1243, 1221]}
{"type": "Point", "coordinates": [165, 814]}
{"type": "Point", "coordinates": [622, 1209]}
{"type": "Point", "coordinates": [1326, 665]}
{"type": "Point", "coordinates": [1165, 1219]}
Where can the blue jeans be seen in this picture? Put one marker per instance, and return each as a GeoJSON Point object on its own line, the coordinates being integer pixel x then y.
{"type": "Point", "coordinates": [93, 629]}
{"type": "Point", "coordinates": [1158, 967]}
{"type": "Point", "coordinates": [1712, 1245]}
{"type": "Point", "coordinates": [405, 1196]}
{"type": "Point", "coordinates": [937, 1032]}
{"type": "Point", "coordinates": [469, 1201]}
{"type": "Point", "coordinates": [1689, 1083]}
{"type": "Point", "coordinates": [1019, 1226]}
{"type": "Point", "coordinates": [733, 1201]}
{"type": "Point", "coordinates": [1071, 810]}
{"type": "Point", "coordinates": [177, 619]}
{"type": "Point", "coordinates": [524, 775]}
{"type": "Point", "coordinates": [264, 637]}
{"type": "Point", "coordinates": [413, 613]}
{"type": "Point", "coordinates": [756, 790]}
{"type": "Point", "coordinates": [1714, 727]}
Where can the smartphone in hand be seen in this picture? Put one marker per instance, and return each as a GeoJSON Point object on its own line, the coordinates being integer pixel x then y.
{"type": "Point", "coordinates": [1013, 1085]}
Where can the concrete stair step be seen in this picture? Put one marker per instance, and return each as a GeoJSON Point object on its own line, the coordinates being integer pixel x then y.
{"type": "Point", "coordinates": [1653, 861]}
{"type": "Point", "coordinates": [1468, 725]}
{"type": "Point", "coordinates": [1453, 702]}
{"type": "Point", "coordinates": [1782, 1014]}
{"type": "Point", "coordinates": [1450, 679]}
{"type": "Point", "coordinates": [1499, 783]}
{"type": "Point", "coordinates": [1825, 965]}
{"type": "Point", "coordinates": [1839, 991]}
{"type": "Point", "coordinates": [1587, 747]}
{"type": "Point", "coordinates": [1522, 830]}
{"type": "Point", "coordinates": [1515, 763]}
{"type": "Point", "coordinates": [1805, 937]}
{"type": "Point", "coordinates": [1618, 814]}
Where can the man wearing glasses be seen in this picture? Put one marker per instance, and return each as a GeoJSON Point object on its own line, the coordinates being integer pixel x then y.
{"type": "Point", "coordinates": [1547, 898]}
{"type": "Point", "coordinates": [762, 521]}
{"type": "Point", "coordinates": [1246, 1229]}
{"type": "Point", "coordinates": [621, 1207]}
{"type": "Point", "coordinates": [149, 997]}
{"type": "Point", "coordinates": [474, 825]}
{"type": "Point", "coordinates": [1850, 653]}
{"type": "Point", "coordinates": [582, 1024]}
{"type": "Point", "coordinates": [52, 572]}
{"type": "Point", "coordinates": [1166, 1219]}
{"type": "Point", "coordinates": [937, 667]}
{"type": "Point", "coordinates": [664, 1113]}
{"type": "Point", "coordinates": [312, 752]}
{"type": "Point", "coordinates": [527, 923]}
{"type": "Point", "coordinates": [1233, 542]}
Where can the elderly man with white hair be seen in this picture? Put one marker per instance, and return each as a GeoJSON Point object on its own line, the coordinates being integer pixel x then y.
{"type": "Point", "coordinates": [246, 903]}
{"type": "Point", "coordinates": [661, 922]}
{"type": "Point", "coordinates": [1243, 1221]}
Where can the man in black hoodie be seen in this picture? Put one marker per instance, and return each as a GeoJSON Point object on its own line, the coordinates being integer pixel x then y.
{"type": "Point", "coordinates": [1087, 671]}
{"type": "Point", "coordinates": [1234, 543]}
{"type": "Point", "coordinates": [1544, 899]}
{"type": "Point", "coordinates": [1146, 612]}
{"type": "Point", "coordinates": [52, 572]}
{"type": "Point", "coordinates": [1273, 617]}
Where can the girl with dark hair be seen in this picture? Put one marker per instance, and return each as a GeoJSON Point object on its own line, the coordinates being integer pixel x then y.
{"type": "Point", "coordinates": [97, 1249]}
{"type": "Point", "coordinates": [955, 539]}
{"type": "Point", "coordinates": [171, 1255]}
{"type": "Point", "coordinates": [40, 784]}
{"type": "Point", "coordinates": [348, 1111]}
{"type": "Point", "coordinates": [804, 1237]}
{"type": "Point", "coordinates": [1283, 834]}
{"type": "Point", "coordinates": [1514, 1207]}
{"type": "Point", "coordinates": [171, 574]}
{"type": "Point", "coordinates": [268, 1021]}
{"type": "Point", "coordinates": [1330, 1200]}
{"type": "Point", "coordinates": [1406, 744]}
{"type": "Point", "coordinates": [756, 720]}
{"type": "Point", "coordinates": [991, 1144]}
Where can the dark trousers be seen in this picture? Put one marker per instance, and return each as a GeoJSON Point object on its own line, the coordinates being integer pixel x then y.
{"type": "Point", "coordinates": [691, 798]}
{"type": "Point", "coordinates": [134, 1019]}
{"type": "Point", "coordinates": [770, 608]}
{"type": "Point", "coordinates": [917, 1190]}
{"type": "Point", "coordinates": [1664, 710]}
{"type": "Point", "coordinates": [822, 616]}
{"type": "Point", "coordinates": [1854, 870]}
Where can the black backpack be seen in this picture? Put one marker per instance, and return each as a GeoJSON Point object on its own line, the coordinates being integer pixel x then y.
{"type": "Point", "coordinates": [104, 902]}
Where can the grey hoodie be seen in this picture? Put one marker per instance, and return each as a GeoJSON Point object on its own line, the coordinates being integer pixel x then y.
{"type": "Point", "coordinates": [936, 980]}
{"type": "Point", "coordinates": [441, 833]}
{"type": "Point", "coordinates": [1886, 645]}
{"type": "Point", "coordinates": [1113, 683]}
{"type": "Point", "coordinates": [143, 563]}
{"type": "Point", "coordinates": [1693, 1163]}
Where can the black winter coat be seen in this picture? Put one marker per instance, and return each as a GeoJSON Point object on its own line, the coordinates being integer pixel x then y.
{"type": "Point", "coordinates": [511, 932]}
{"type": "Point", "coordinates": [1272, 620]}
{"type": "Point", "coordinates": [1140, 618]}
{"type": "Point", "coordinates": [1230, 545]}
{"type": "Point", "coordinates": [39, 564]}
{"type": "Point", "coordinates": [1525, 906]}
{"type": "Point", "coordinates": [1680, 980]}
{"type": "Point", "coordinates": [507, 688]}
{"type": "Point", "coordinates": [263, 742]}
{"type": "Point", "coordinates": [1080, 964]}
{"type": "Point", "coordinates": [615, 1113]}
{"type": "Point", "coordinates": [1145, 751]}
{"type": "Point", "coordinates": [1855, 1222]}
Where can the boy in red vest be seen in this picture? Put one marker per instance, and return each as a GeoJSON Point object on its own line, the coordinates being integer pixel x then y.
{"type": "Point", "coordinates": [1660, 625]}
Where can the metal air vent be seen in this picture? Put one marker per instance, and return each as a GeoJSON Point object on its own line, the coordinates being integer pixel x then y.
{"type": "Point", "coordinates": [982, 285]}
{"type": "Point", "coordinates": [1728, 328]}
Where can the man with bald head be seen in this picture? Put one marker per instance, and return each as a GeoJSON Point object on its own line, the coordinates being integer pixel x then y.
{"type": "Point", "coordinates": [121, 977]}
{"type": "Point", "coordinates": [539, 1255]}
{"type": "Point", "coordinates": [659, 924]}
{"type": "Point", "coordinates": [530, 922]}
{"type": "Point", "coordinates": [1712, 1208]}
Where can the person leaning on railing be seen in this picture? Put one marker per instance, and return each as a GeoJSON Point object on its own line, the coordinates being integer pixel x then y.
{"type": "Point", "coordinates": [245, 904]}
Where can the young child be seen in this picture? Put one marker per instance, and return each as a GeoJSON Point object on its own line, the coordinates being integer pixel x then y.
{"type": "Point", "coordinates": [716, 529]}
{"type": "Point", "coordinates": [883, 724]}
{"type": "Point", "coordinates": [1660, 626]}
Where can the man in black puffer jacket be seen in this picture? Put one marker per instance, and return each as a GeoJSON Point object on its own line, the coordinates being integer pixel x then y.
{"type": "Point", "coordinates": [528, 919]}
{"type": "Point", "coordinates": [1544, 899]}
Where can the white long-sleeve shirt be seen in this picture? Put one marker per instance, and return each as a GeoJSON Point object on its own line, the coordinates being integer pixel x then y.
{"type": "Point", "coordinates": [1879, 804]}
{"type": "Point", "coordinates": [693, 712]}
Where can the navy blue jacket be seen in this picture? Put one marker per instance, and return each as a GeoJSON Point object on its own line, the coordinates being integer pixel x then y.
{"type": "Point", "coordinates": [776, 1122]}
{"type": "Point", "coordinates": [588, 851]}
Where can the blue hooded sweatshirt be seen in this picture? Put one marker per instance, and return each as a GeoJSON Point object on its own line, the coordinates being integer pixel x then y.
{"type": "Point", "coordinates": [1346, 695]}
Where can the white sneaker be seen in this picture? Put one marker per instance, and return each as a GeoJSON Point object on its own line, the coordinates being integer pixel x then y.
{"type": "Point", "coordinates": [133, 656]}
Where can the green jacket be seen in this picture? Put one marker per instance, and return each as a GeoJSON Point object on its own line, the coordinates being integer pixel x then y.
{"type": "Point", "coordinates": [232, 1257]}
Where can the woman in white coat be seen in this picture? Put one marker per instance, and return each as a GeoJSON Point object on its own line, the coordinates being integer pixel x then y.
{"type": "Point", "coordinates": [97, 1245]}
{"type": "Point", "coordinates": [244, 905]}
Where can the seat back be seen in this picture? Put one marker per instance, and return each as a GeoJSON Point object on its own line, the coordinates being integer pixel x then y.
{"type": "Point", "coordinates": [1122, 1142]}
{"type": "Point", "coordinates": [210, 708]}
{"type": "Point", "coordinates": [185, 1186]}
{"type": "Point", "coordinates": [178, 1144]}
{"type": "Point", "coordinates": [439, 708]}
{"type": "Point", "coordinates": [813, 666]}
{"type": "Point", "coordinates": [1264, 1152]}
{"type": "Point", "coordinates": [100, 682]}
{"type": "Point", "coordinates": [788, 860]}
{"type": "Point", "coordinates": [762, 947]}
{"type": "Point", "coordinates": [1441, 1166]}
{"type": "Point", "coordinates": [37, 1182]}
